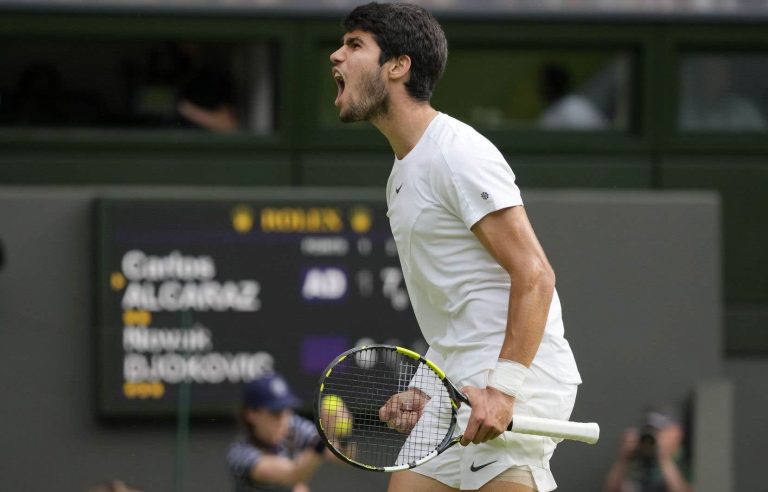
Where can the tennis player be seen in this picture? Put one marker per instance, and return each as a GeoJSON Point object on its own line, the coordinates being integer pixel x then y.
{"type": "Point", "coordinates": [480, 284]}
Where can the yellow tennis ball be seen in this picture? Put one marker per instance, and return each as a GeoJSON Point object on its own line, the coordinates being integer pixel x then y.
{"type": "Point", "coordinates": [332, 403]}
{"type": "Point", "coordinates": [337, 417]}
{"type": "Point", "coordinates": [343, 427]}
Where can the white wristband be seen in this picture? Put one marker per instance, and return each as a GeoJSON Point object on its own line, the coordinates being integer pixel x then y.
{"type": "Point", "coordinates": [508, 377]}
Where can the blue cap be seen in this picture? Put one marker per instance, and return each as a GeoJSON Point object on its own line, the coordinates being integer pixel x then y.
{"type": "Point", "coordinates": [269, 391]}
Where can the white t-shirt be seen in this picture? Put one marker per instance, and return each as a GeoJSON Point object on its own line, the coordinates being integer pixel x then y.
{"type": "Point", "coordinates": [572, 112]}
{"type": "Point", "coordinates": [451, 179]}
{"type": "Point", "coordinates": [731, 112]}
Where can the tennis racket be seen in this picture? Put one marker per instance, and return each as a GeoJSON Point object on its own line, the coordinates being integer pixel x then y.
{"type": "Point", "coordinates": [364, 384]}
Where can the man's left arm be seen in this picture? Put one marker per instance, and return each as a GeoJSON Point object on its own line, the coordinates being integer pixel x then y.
{"type": "Point", "coordinates": [509, 238]}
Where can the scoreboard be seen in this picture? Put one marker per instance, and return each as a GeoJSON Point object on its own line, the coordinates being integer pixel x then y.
{"type": "Point", "coordinates": [210, 293]}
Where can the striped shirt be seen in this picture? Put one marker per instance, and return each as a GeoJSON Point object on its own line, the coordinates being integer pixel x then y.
{"type": "Point", "coordinates": [243, 455]}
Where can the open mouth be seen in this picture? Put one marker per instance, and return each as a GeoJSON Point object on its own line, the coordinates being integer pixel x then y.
{"type": "Point", "coordinates": [340, 83]}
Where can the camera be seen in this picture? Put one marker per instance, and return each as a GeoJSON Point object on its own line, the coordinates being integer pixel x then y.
{"type": "Point", "coordinates": [654, 421]}
{"type": "Point", "coordinates": [647, 435]}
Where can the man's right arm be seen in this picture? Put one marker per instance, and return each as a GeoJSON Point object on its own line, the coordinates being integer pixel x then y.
{"type": "Point", "coordinates": [286, 471]}
{"type": "Point", "coordinates": [249, 463]}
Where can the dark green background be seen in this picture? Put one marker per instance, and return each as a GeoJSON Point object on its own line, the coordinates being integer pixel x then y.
{"type": "Point", "coordinates": [307, 150]}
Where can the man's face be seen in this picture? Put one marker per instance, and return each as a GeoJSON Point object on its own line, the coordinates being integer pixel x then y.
{"type": "Point", "coordinates": [363, 92]}
{"type": "Point", "coordinates": [269, 426]}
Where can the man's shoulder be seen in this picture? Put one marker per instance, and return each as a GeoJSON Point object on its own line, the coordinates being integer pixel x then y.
{"type": "Point", "coordinates": [454, 132]}
{"type": "Point", "coordinates": [242, 454]}
{"type": "Point", "coordinates": [302, 431]}
{"type": "Point", "coordinates": [448, 129]}
{"type": "Point", "coordinates": [299, 421]}
{"type": "Point", "coordinates": [459, 142]}
{"type": "Point", "coordinates": [242, 443]}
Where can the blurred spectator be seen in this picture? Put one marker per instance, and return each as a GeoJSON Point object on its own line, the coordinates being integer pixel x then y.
{"type": "Point", "coordinates": [206, 92]}
{"type": "Point", "coordinates": [565, 109]}
{"type": "Point", "coordinates": [651, 458]}
{"type": "Point", "coordinates": [280, 450]}
{"type": "Point", "coordinates": [708, 100]}
{"type": "Point", "coordinates": [181, 83]}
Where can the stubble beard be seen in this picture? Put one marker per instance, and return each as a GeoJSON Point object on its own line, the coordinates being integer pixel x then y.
{"type": "Point", "coordinates": [374, 101]}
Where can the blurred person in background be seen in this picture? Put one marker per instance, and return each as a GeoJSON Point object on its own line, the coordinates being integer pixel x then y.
{"type": "Point", "coordinates": [280, 450]}
{"type": "Point", "coordinates": [709, 100]}
{"type": "Point", "coordinates": [206, 92]}
{"type": "Point", "coordinates": [651, 457]}
{"type": "Point", "coordinates": [565, 109]}
{"type": "Point", "coordinates": [182, 84]}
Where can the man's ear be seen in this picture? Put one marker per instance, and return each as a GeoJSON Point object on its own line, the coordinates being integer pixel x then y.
{"type": "Point", "coordinates": [249, 415]}
{"type": "Point", "coordinates": [401, 67]}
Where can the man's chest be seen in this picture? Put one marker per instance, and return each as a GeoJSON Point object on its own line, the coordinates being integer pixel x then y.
{"type": "Point", "coordinates": [409, 196]}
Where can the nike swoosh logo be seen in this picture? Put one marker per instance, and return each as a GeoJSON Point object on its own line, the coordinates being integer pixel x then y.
{"type": "Point", "coordinates": [474, 468]}
{"type": "Point", "coordinates": [397, 190]}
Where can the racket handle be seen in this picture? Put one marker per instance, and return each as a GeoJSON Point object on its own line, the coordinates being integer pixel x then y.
{"type": "Point", "coordinates": [588, 432]}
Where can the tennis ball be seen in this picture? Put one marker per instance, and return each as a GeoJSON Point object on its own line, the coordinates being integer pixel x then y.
{"type": "Point", "coordinates": [331, 403]}
{"type": "Point", "coordinates": [336, 416]}
{"type": "Point", "coordinates": [343, 427]}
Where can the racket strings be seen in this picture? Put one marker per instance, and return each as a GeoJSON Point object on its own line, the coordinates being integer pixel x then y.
{"type": "Point", "coordinates": [377, 383]}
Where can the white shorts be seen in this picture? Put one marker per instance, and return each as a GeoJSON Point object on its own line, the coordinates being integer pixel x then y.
{"type": "Point", "coordinates": [471, 467]}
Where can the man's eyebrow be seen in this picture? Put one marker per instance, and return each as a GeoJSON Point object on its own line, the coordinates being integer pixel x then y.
{"type": "Point", "coordinates": [351, 39]}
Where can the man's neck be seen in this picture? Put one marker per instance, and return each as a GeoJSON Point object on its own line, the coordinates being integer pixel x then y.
{"type": "Point", "coordinates": [404, 125]}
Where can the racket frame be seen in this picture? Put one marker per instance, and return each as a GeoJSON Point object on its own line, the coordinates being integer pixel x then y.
{"type": "Point", "coordinates": [455, 396]}
{"type": "Point", "coordinates": [579, 431]}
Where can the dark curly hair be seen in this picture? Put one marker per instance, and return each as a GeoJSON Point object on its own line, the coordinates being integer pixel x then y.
{"type": "Point", "coordinates": [405, 29]}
